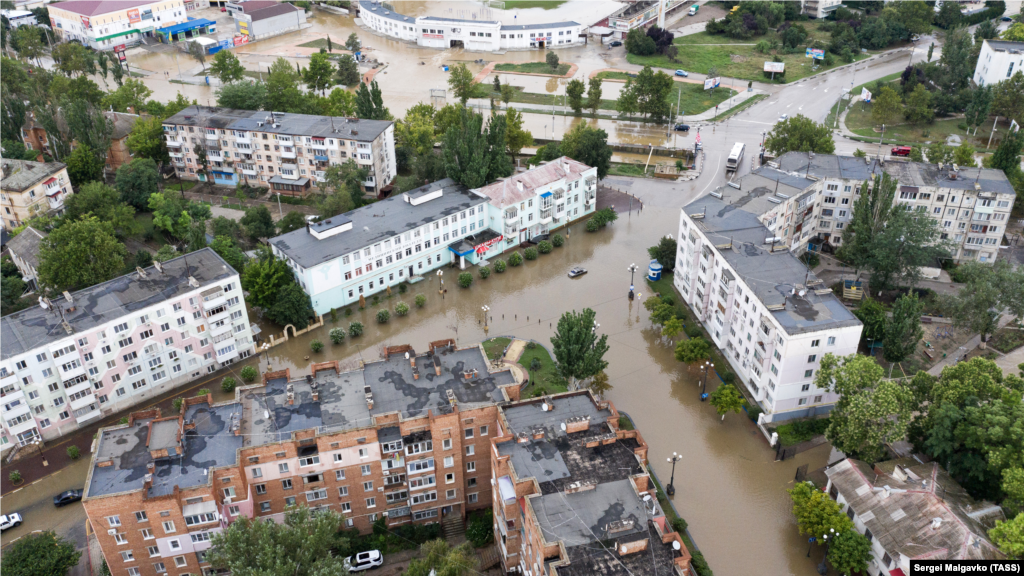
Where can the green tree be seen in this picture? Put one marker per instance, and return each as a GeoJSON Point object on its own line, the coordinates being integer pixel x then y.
{"type": "Point", "coordinates": [227, 67]}
{"type": "Point", "coordinates": [370, 103]}
{"type": "Point", "coordinates": [918, 109]}
{"type": "Point", "coordinates": [132, 93]}
{"type": "Point", "coordinates": [594, 95]}
{"type": "Point", "coordinates": [12, 286]}
{"type": "Point", "coordinates": [872, 314]}
{"type": "Point", "coordinates": [40, 554]}
{"type": "Point", "coordinates": [348, 70]}
{"type": "Point", "coordinates": [552, 59]}
{"type": "Point", "coordinates": [579, 352]}
{"type": "Point", "coordinates": [72, 58]}
{"type": "Point", "coordinates": [263, 277]}
{"type": "Point", "coordinates": [136, 181]}
{"type": "Point", "coordinates": [980, 106]}
{"type": "Point", "coordinates": [507, 93]}
{"type": "Point", "coordinates": [283, 94]}
{"type": "Point", "coordinates": [146, 140]}
{"type": "Point", "coordinates": [1009, 535]}
{"type": "Point", "coordinates": [355, 329]}
{"type": "Point", "coordinates": [352, 44]}
{"type": "Point", "coordinates": [850, 551]}
{"type": "Point", "coordinates": [197, 53]}
{"type": "Point", "coordinates": [915, 15]}
{"type": "Point", "coordinates": [341, 102]}
{"type": "Point", "coordinates": [693, 350]}
{"type": "Point", "coordinates": [460, 81]}
{"type": "Point", "coordinates": [800, 134]}
{"type": "Point", "coordinates": [243, 95]}
{"type": "Point", "coordinates": [98, 199]}
{"type": "Point", "coordinates": [627, 103]}
{"type": "Point", "coordinates": [886, 106]}
{"type": "Point", "coordinates": [1008, 95]}
{"type": "Point", "coordinates": [726, 398]}
{"type": "Point", "coordinates": [949, 15]}
{"type": "Point", "coordinates": [574, 93]}
{"type": "Point", "coordinates": [437, 557]}
{"type": "Point", "coordinates": [672, 327]}
{"type": "Point", "coordinates": [466, 152]}
{"type": "Point", "coordinates": [292, 221]}
{"type": "Point", "coordinates": [300, 546]}
{"type": "Point", "coordinates": [599, 384]}
{"type": "Point", "coordinates": [665, 253]}
{"type": "Point", "coordinates": [816, 513]}
{"type": "Point", "coordinates": [909, 240]}
{"type": "Point", "coordinates": [963, 155]}
{"type": "Point", "coordinates": [652, 88]}
{"type": "Point", "coordinates": [26, 40]}
{"type": "Point", "coordinates": [589, 146]}
{"type": "Point", "coordinates": [976, 306]}
{"type": "Point", "coordinates": [903, 331]}
{"type": "Point", "coordinates": [870, 411]}
{"type": "Point", "coordinates": [342, 183]}
{"type": "Point", "coordinates": [258, 223]}
{"type": "Point", "coordinates": [229, 251]}
{"type": "Point", "coordinates": [319, 75]}
{"type": "Point", "coordinates": [516, 137]}
{"type": "Point", "coordinates": [1007, 155]}
{"type": "Point", "coordinates": [80, 254]}
{"type": "Point", "coordinates": [957, 60]}
{"type": "Point", "coordinates": [939, 153]}
{"type": "Point", "coordinates": [84, 166]}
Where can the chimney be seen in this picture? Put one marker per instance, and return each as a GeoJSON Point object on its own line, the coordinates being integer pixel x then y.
{"type": "Point", "coordinates": [519, 185]}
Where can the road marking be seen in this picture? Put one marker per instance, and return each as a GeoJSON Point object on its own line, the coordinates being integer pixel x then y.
{"type": "Point", "coordinates": [788, 105]}
{"type": "Point", "coordinates": [800, 108]}
{"type": "Point", "coordinates": [754, 122]}
{"type": "Point", "coordinates": [717, 166]}
{"type": "Point", "coordinates": [826, 89]}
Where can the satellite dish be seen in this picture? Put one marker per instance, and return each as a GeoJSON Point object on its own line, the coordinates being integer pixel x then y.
{"type": "Point", "coordinates": [675, 545]}
{"type": "Point", "coordinates": [802, 292]}
{"type": "Point", "coordinates": [406, 355]}
{"type": "Point", "coordinates": [544, 407]}
{"type": "Point", "coordinates": [563, 426]}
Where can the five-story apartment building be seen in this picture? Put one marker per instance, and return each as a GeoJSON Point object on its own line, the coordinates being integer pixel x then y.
{"type": "Point", "coordinates": [289, 153]}
{"type": "Point", "coordinates": [108, 347]}
{"type": "Point", "coordinates": [29, 189]}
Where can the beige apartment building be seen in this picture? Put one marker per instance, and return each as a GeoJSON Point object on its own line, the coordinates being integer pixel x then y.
{"type": "Point", "coordinates": [29, 189]}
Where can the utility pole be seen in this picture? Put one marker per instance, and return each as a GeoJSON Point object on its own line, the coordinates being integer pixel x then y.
{"type": "Point", "coordinates": [992, 134]}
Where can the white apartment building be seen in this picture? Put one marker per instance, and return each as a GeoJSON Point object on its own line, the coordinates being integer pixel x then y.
{"type": "Point", "coordinates": [771, 317]}
{"type": "Point", "coordinates": [104, 24]}
{"type": "Point", "coordinates": [972, 205]}
{"type": "Point", "coordinates": [106, 348]}
{"type": "Point", "coordinates": [289, 153]}
{"type": "Point", "coordinates": [480, 35]}
{"type": "Point", "coordinates": [820, 8]}
{"type": "Point", "coordinates": [998, 60]}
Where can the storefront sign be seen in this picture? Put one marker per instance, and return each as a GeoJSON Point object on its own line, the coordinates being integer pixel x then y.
{"type": "Point", "coordinates": [481, 248]}
{"type": "Point", "coordinates": [120, 48]}
{"type": "Point", "coordinates": [239, 40]}
{"type": "Point", "coordinates": [133, 16]}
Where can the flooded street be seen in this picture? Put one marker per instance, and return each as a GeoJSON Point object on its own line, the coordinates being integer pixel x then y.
{"type": "Point", "coordinates": [728, 487]}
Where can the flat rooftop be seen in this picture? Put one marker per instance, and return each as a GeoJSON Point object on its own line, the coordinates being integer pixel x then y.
{"type": "Point", "coordinates": [776, 277]}
{"type": "Point", "coordinates": [34, 327]}
{"type": "Point", "coordinates": [377, 222]}
{"type": "Point", "coordinates": [287, 123]}
{"type": "Point", "coordinates": [601, 558]}
{"type": "Point", "coordinates": [610, 509]}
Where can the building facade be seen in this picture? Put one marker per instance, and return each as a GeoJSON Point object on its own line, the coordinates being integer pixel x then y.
{"type": "Point", "coordinates": [104, 24]}
{"type": "Point", "coordinates": [106, 348]}
{"type": "Point", "coordinates": [288, 153]}
{"type": "Point", "coordinates": [770, 316]}
{"type": "Point", "coordinates": [29, 189]}
{"type": "Point", "coordinates": [971, 205]}
{"type": "Point", "coordinates": [478, 35]}
{"type": "Point", "coordinates": [118, 153]}
{"type": "Point", "coordinates": [573, 495]}
{"type": "Point", "coordinates": [259, 19]}
{"type": "Point", "coordinates": [355, 442]}
{"type": "Point", "coordinates": [998, 61]}
{"type": "Point", "coordinates": [820, 8]}
{"type": "Point", "coordinates": [909, 510]}
{"type": "Point", "coordinates": [24, 252]}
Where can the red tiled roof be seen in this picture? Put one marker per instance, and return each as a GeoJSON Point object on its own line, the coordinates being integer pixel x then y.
{"type": "Point", "coordinates": [94, 7]}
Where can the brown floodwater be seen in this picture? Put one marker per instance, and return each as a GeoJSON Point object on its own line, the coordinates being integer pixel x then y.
{"type": "Point", "coordinates": [729, 488]}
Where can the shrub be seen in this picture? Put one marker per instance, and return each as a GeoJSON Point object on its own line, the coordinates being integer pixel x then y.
{"type": "Point", "coordinates": [228, 384]}
{"type": "Point", "coordinates": [516, 259]}
{"type": "Point", "coordinates": [355, 329]}
{"type": "Point", "coordinates": [348, 312]}
{"type": "Point", "coordinates": [679, 525]}
{"type": "Point", "coordinates": [401, 308]}
{"type": "Point", "coordinates": [375, 300]}
{"type": "Point", "coordinates": [465, 280]}
{"type": "Point", "coordinates": [531, 345]}
{"type": "Point", "coordinates": [334, 315]}
{"type": "Point", "coordinates": [250, 373]}
{"type": "Point", "coordinates": [176, 404]}
{"type": "Point", "coordinates": [557, 240]}
{"type": "Point", "coordinates": [316, 346]}
{"type": "Point", "coordinates": [499, 266]}
{"type": "Point", "coordinates": [535, 364]}
{"type": "Point", "coordinates": [480, 530]}
{"type": "Point", "coordinates": [811, 259]}
{"type": "Point", "coordinates": [402, 288]}
{"type": "Point", "coordinates": [700, 564]}
{"type": "Point", "coordinates": [530, 253]}
{"type": "Point", "coordinates": [485, 272]}
{"type": "Point", "coordinates": [203, 392]}
{"type": "Point", "coordinates": [383, 316]}
{"type": "Point", "coordinates": [692, 331]}
{"type": "Point", "coordinates": [337, 335]}
{"type": "Point", "coordinates": [123, 420]}
{"type": "Point", "coordinates": [14, 477]}
{"type": "Point", "coordinates": [544, 247]}
{"type": "Point", "coordinates": [74, 452]}
{"type": "Point", "coordinates": [729, 377]}
{"type": "Point", "coordinates": [605, 216]}
{"type": "Point", "coordinates": [420, 300]}
{"type": "Point", "coordinates": [592, 225]}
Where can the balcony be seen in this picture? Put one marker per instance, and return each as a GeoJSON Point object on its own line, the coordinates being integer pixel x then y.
{"type": "Point", "coordinates": [13, 395]}
{"type": "Point", "coordinates": [319, 144]}
{"type": "Point", "coordinates": [172, 143]}
{"type": "Point", "coordinates": [214, 156]}
{"type": "Point", "coordinates": [511, 229]}
{"type": "Point", "coordinates": [228, 355]}
{"type": "Point", "coordinates": [320, 175]}
{"type": "Point", "coordinates": [211, 136]}
{"type": "Point", "coordinates": [288, 153]}
{"type": "Point", "coordinates": [512, 218]}
{"type": "Point", "coordinates": [21, 427]}
{"type": "Point", "coordinates": [218, 330]}
{"type": "Point", "coordinates": [71, 371]}
{"type": "Point", "coordinates": [89, 416]}
{"type": "Point", "coordinates": [178, 164]}
{"type": "Point", "coordinates": [320, 158]}
{"type": "Point", "coordinates": [76, 388]}
{"type": "Point", "coordinates": [228, 168]}
{"type": "Point", "coordinates": [243, 139]}
{"type": "Point", "coordinates": [545, 215]}
{"type": "Point", "coordinates": [56, 203]}
{"type": "Point", "coordinates": [82, 402]}
{"type": "Point", "coordinates": [177, 155]}
{"type": "Point", "coordinates": [15, 411]}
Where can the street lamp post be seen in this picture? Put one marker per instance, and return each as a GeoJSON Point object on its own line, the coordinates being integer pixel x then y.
{"type": "Point", "coordinates": [485, 309]}
{"type": "Point", "coordinates": [265, 348]}
{"type": "Point", "coordinates": [810, 544]}
{"type": "Point", "coordinates": [671, 489]}
{"type": "Point", "coordinates": [440, 281]}
{"type": "Point", "coordinates": [827, 538]}
{"type": "Point", "coordinates": [632, 270]}
{"type": "Point", "coordinates": [880, 141]}
{"type": "Point", "coordinates": [708, 366]}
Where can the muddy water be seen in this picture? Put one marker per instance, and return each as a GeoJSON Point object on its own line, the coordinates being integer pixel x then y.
{"type": "Point", "coordinates": [728, 487]}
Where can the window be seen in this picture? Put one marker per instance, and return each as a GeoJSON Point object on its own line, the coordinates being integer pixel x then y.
{"type": "Point", "coordinates": [371, 502]}
{"type": "Point", "coordinates": [449, 461]}
{"type": "Point", "coordinates": [309, 461]}
{"type": "Point", "coordinates": [449, 478]}
{"type": "Point", "coordinates": [153, 551]}
{"type": "Point", "coordinates": [365, 469]}
{"type": "Point", "coordinates": [180, 561]}
{"type": "Point", "coordinates": [368, 486]}
{"type": "Point", "coordinates": [815, 343]}
{"type": "Point", "coordinates": [470, 450]}
{"type": "Point", "coordinates": [805, 387]}
{"type": "Point", "coordinates": [450, 494]}
{"type": "Point", "coordinates": [339, 474]}
{"type": "Point", "coordinates": [812, 358]}
{"type": "Point", "coordinates": [114, 521]}
{"type": "Point", "coordinates": [470, 466]}
{"type": "Point", "coordinates": [261, 488]}
{"type": "Point", "coordinates": [808, 373]}
{"type": "Point", "coordinates": [127, 556]}
{"type": "Point", "coordinates": [286, 484]}
{"type": "Point", "coordinates": [141, 516]}
{"type": "Point", "coordinates": [133, 572]}
{"type": "Point", "coordinates": [342, 491]}
{"type": "Point", "coordinates": [264, 506]}
{"type": "Point", "coordinates": [120, 538]}
{"type": "Point", "coordinates": [802, 402]}
{"type": "Point", "coordinates": [282, 467]}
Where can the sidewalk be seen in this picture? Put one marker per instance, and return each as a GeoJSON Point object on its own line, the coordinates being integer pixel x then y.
{"type": "Point", "coordinates": [971, 344]}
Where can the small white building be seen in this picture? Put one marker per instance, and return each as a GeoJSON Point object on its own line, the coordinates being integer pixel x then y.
{"type": "Point", "coordinates": [20, 17]}
{"type": "Point", "coordinates": [105, 24]}
{"type": "Point", "coordinates": [998, 61]}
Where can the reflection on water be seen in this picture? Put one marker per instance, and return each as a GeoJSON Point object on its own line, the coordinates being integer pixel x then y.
{"type": "Point", "coordinates": [728, 486]}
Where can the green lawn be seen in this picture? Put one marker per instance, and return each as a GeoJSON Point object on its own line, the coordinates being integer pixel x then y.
{"type": "Point", "coordinates": [606, 75]}
{"type": "Point", "coordinates": [526, 4]}
{"type": "Point", "coordinates": [634, 170]}
{"type": "Point", "coordinates": [705, 38]}
{"type": "Point", "coordinates": [860, 122]}
{"type": "Point", "coordinates": [692, 97]}
{"type": "Point", "coordinates": [321, 43]}
{"type": "Point", "coordinates": [495, 347]}
{"type": "Point", "coordinates": [534, 68]}
{"type": "Point", "coordinates": [797, 432]}
{"type": "Point", "coordinates": [486, 90]}
{"type": "Point", "coordinates": [544, 380]}
{"type": "Point", "coordinates": [1007, 339]}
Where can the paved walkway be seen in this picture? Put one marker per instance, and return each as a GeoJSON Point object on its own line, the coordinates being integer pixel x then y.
{"type": "Point", "coordinates": [973, 343]}
{"type": "Point", "coordinates": [1010, 363]}
{"type": "Point", "coordinates": [515, 350]}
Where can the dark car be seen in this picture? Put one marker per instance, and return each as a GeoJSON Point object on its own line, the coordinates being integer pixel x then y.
{"type": "Point", "coordinates": [577, 271]}
{"type": "Point", "coordinates": [67, 497]}
{"type": "Point", "coordinates": [537, 239]}
{"type": "Point", "coordinates": [615, 43]}
{"type": "Point", "coordinates": [682, 128]}
{"type": "Point", "coordinates": [1006, 19]}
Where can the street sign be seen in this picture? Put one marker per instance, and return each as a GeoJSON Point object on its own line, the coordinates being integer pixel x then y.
{"type": "Point", "coordinates": [712, 83]}
{"type": "Point", "coordinates": [816, 53]}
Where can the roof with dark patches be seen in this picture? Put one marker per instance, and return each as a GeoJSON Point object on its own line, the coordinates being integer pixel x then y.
{"type": "Point", "coordinates": [34, 327]}
{"type": "Point", "coordinates": [377, 222]}
{"type": "Point", "coordinates": [584, 517]}
{"type": "Point", "coordinates": [20, 175]}
{"type": "Point", "coordinates": [595, 559]}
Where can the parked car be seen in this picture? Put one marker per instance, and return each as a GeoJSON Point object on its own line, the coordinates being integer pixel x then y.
{"type": "Point", "coordinates": [11, 520]}
{"type": "Point", "coordinates": [682, 73]}
{"type": "Point", "coordinates": [364, 561]}
{"type": "Point", "coordinates": [682, 128]}
{"type": "Point", "coordinates": [577, 271]}
{"type": "Point", "coordinates": [68, 497]}
{"type": "Point", "coordinates": [223, 9]}
{"type": "Point", "coordinates": [783, 117]}
{"type": "Point", "coordinates": [1006, 19]}
{"type": "Point", "coordinates": [615, 43]}
{"type": "Point", "coordinates": [539, 238]}
{"type": "Point", "coordinates": [900, 151]}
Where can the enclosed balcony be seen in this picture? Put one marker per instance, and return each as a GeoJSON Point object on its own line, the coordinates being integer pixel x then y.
{"type": "Point", "coordinates": [287, 152]}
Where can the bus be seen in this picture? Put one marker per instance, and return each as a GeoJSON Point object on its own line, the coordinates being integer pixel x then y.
{"type": "Point", "coordinates": [734, 157]}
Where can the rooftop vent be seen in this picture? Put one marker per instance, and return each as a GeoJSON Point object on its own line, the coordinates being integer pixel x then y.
{"type": "Point", "coordinates": [193, 282]}
{"type": "Point", "coordinates": [68, 298]}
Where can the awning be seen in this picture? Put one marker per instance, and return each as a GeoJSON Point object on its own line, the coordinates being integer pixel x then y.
{"type": "Point", "coordinates": [186, 26]}
{"type": "Point", "coordinates": [546, 195]}
{"type": "Point", "coordinates": [50, 181]}
{"type": "Point", "coordinates": [296, 182]}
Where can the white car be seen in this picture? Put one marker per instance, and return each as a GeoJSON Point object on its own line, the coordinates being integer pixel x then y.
{"type": "Point", "coordinates": [783, 117]}
{"type": "Point", "coordinates": [11, 520]}
{"type": "Point", "coordinates": [364, 561]}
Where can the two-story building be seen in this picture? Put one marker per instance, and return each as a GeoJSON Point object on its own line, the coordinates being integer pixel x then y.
{"type": "Point", "coordinates": [998, 61]}
{"type": "Point", "coordinates": [405, 437]}
{"type": "Point", "coordinates": [24, 252]}
{"type": "Point", "coordinates": [289, 153]}
{"type": "Point", "coordinates": [29, 189]}
{"type": "Point", "coordinates": [771, 317]}
{"type": "Point", "coordinates": [74, 359]}
{"type": "Point", "coordinates": [104, 24]}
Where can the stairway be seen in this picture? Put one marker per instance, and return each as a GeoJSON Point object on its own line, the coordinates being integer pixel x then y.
{"type": "Point", "coordinates": [454, 529]}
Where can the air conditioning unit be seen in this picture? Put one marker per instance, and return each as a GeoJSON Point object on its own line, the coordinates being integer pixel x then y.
{"type": "Point", "coordinates": [112, 531]}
